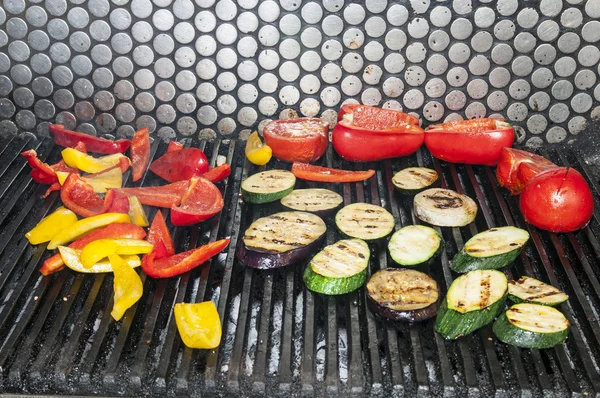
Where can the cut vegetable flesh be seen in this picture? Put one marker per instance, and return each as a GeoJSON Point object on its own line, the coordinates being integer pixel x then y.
{"type": "Point", "coordinates": [403, 289]}
{"type": "Point", "coordinates": [282, 232]}
{"type": "Point", "coordinates": [312, 200]}
{"type": "Point", "coordinates": [414, 244]}
{"type": "Point", "coordinates": [344, 258]}
{"type": "Point", "coordinates": [537, 318]}
{"type": "Point", "coordinates": [268, 186]}
{"type": "Point", "coordinates": [476, 290]}
{"type": "Point", "coordinates": [496, 241]}
{"type": "Point", "coordinates": [364, 221]}
{"type": "Point", "coordinates": [415, 178]}
{"type": "Point", "coordinates": [533, 291]}
{"type": "Point", "coordinates": [444, 208]}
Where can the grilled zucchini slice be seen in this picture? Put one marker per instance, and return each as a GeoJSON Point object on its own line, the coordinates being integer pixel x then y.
{"type": "Point", "coordinates": [414, 245]}
{"type": "Point", "coordinates": [322, 202]}
{"type": "Point", "coordinates": [413, 180]}
{"type": "Point", "coordinates": [364, 221]}
{"type": "Point", "coordinates": [268, 186]}
{"type": "Point", "coordinates": [444, 208]}
{"type": "Point", "coordinates": [530, 290]}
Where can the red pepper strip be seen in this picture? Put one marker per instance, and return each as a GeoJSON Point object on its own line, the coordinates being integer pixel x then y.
{"type": "Point", "coordinates": [115, 202]}
{"type": "Point", "coordinates": [68, 138]}
{"type": "Point", "coordinates": [44, 174]}
{"type": "Point", "coordinates": [174, 146]}
{"type": "Point", "coordinates": [161, 196]}
{"type": "Point", "coordinates": [62, 166]}
{"type": "Point", "coordinates": [140, 153]}
{"type": "Point", "coordinates": [79, 196]}
{"type": "Point", "coordinates": [41, 177]}
{"type": "Point", "coordinates": [159, 234]}
{"type": "Point", "coordinates": [54, 187]}
{"type": "Point", "coordinates": [218, 173]}
{"type": "Point", "coordinates": [182, 262]}
{"type": "Point", "coordinates": [111, 231]}
{"type": "Point", "coordinates": [309, 172]}
{"type": "Point", "coordinates": [160, 251]}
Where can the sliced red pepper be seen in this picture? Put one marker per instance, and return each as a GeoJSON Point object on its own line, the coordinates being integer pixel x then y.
{"type": "Point", "coordinates": [201, 201]}
{"type": "Point", "coordinates": [79, 196]}
{"type": "Point", "coordinates": [68, 138]}
{"type": "Point", "coordinates": [160, 251]}
{"type": "Point", "coordinates": [180, 165]}
{"type": "Point", "coordinates": [160, 196]}
{"type": "Point", "coordinates": [159, 234]}
{"type": "Point", "coordinates": [41, 177]}
{"type": "Point", "coordinates": [111, 231]}
{"type": "Point", "coordinates": [182, 262]}
{"type": "Point", "coordinates": [218, 173]}
{"type": "Point", "coordinates": [174, 146]}
{"type": "Point", "coordinates": [305, 171]}
{"type": "Point", "coordinates": [140, 153]}
{"type": "Point", "coordinates": [115, 202]}
{"type": "Point", "coordinates": [516, 167]}
{"type": "Point", "coordinates": [55, 186]}
{"type": "Point", "coordinates": [42, 172]}
{"type": "Point", "coordinates": [62, 166]}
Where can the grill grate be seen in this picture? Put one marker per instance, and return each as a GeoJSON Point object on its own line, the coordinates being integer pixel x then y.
{"type": "Point", "coordinates": [57, 335]}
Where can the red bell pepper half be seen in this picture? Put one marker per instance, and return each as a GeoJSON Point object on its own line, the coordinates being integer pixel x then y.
{"type": "Point", "coordinates": [180, 165]}
{"type": "Point", "coordinates": [476, 141]}
{"type": "Point", "coordinates": [305, 171]}
{"type": "Point", "coordinates": [182, 262]}
{"type": "Point", "coordinates": [140, 153]}
{"type": "Point", "coordinates": [111, 231]}
{"type": "Point", "coordinates": [218, 173]}
{"type": "Point", "coordinates": [160, 196]}
{"type": "Point", "coordinates": [174, 146]}
{"type": "Point", "coordinates": [79, 196]}
{"type": "Point", "coordinates": [158, 234]}
{"type": "Point", "coordinates": [68, 138]}
{"type": "Point", "coordinates": [201, 201]}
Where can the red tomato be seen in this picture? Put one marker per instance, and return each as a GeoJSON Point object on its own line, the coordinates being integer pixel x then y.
{"type": "Point", "coordinates": [557, 200]}
{"type": "Point", "coordinates": [297, 140]}
{"type": "Point", "coordinates": [159, 233]}
{"type": "Point", "coordinates": [511, 160]}
{"type": "Point", "coordinates": [201, 201]}
{"type": "Point", "coordinates": [79, 196]}
{"type": "Point", "coordinates": [180, 165]}
{"type": "Point", "coordinates": [140, 153]}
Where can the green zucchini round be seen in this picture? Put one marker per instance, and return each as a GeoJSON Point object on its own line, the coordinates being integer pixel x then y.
{"type": "Point", "coordinates": [267, 186]}
{"type": "Point", "coordinates": [414, 245]}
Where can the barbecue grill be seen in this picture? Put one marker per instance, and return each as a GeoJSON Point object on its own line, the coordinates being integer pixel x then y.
{"type": "Point", "coordinates": [279, 339]}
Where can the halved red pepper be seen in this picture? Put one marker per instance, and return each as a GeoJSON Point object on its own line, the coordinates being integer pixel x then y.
{"type": "Point", "coordinates": [111, 231]}
{"type": "Point", "coordinates": [182, 262]}
{"type": "Point", "coordinates": [158, 234]}
{"type": "Point", "coordinates": [365, 133]}
{"type": "Point", "coordinates": [516, 167]}
{"type": "Point", "coordinates": [174, 146]}
{"type": "Point", "coordinates": [140, 153]}
{"type": "Point", "coordinates": [201, 201]}
{"type": "Point", "coordinates": [305, 171]}
{"type": "Point", "coordinates": [68, 138]}
{"type": "Point", "coordinates": [159, 196]}
{"type": "Point", "coordinates": [79, 196]}
{"type": "Point", "coordinates": [180, 165]}
{"type": "Point", "coordinates": [218, 173]}
{"type": "Point", "coordinates": [476, 141]}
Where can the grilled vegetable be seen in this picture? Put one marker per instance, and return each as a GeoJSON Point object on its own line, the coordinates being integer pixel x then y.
{"type": "Point", "coordinates": [444, 208]}
{"type": "Point", "coordinates": [322, 202]}
{"type": "Point", "coordinates": [339, 268]}
{"type": "Point", "coordinates": [491, 249]}
{"type": "Point", "coordinates": [268, 186]}
{"type": "Point", "coordinates": [532, 326]}
{"type": "Point", "coordinates": [201, 201]}
{"type": "Point", "coordinates": [68, 138]}
{"type": "Point", "coordinates": [415, 245]}
{"type": "Point", "coordinates": [413, 180]}
{"type": "Point", "coordinates": [127, 285]}
{"type": "Point", "coordinates": [473, 300]}
{"type": "Point", "coordinates": [199, 324]}
{"type": "Point", "coordinates": [72, 259]}
{"type": "Point", "coordinates": [297, 140]}
{"type": "Point", "coordinates": [530, 290]}
{"type": "Point", "coordinates": [257, 152]}
{"type": "Point", "coordinates": [281, 239]}
{"type": "Point", "coordinates": [305, 171]}
{"type": "Point", "coordinates": [51, 225]}
{"type": "Point", "coordinates": [364, 221]}
{"type": "Point", "coordinates": [180, 165]}
{"type": "Point", "coordinates": [85, 226]}
{"type": "Point", "coordinates": [403, 295]}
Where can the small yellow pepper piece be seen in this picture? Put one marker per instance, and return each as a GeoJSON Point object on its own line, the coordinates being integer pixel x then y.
{"type": "Point", "coordinates": [62, 176]}
{"type": "Point", "coordinates": [72, 259]}
{"type": "Point", "coordinates": [98, 249]}
{"type": "Point", "coordinates": [87, 163]}
{"type": "Point", "coordinates": [198, 324]}
{"type": "Point", "coordinates": [51, 225]}
{"type": "Point", "coordinates": [137, 213]}
{"type": "Point", "coordinates": [257, 152]}
{"type": "Point", "coordinates": [100, 182]}
{"type": "Point", "coordinates": [84, 226]}
{"type": "Point", "coordinates": [127, 285]}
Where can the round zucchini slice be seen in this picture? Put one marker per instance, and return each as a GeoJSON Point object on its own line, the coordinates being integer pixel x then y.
{"type": "Point", "coordinates": [268, 186]}
{"type": "Point", "coordinates": [364, 221]}
{"type": "Point", "coordinates": [413, 180]}
{"type": "Point", "coordinates": [530, 290]}
{"type": "Point", "coordinates": [414, 245]}
{"type": "Point", "coordinates": [444, 208]}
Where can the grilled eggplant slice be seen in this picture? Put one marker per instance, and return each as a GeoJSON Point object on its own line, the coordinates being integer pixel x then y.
{"type": "Point", "coordinates": [413, 180]}
{"type": "Point", "coordinates": [281, 239]}
{"type": "Point", "coordinates": [444, 208]}
{"type": "Point", "coordinates": [268, 186]}
{"type": "Point", "coordinates": [339, 268]}
{"type": "Point", "coordinates": [403, 295]}
{"type": "Point", "coordinates": [364, 221]}
{"type": "Point", "coordinates": [321, 202]}
{"type": "Point", "coordinates": [491, 249]}
{"type": "Point", "coordinates": [473, 300]}
{"type": "Point", "coordinates": [415, 245]}
{"type": "Point", "coordinates": [530, 290]}
{"type": "Point", "coordinates": [529, 325]}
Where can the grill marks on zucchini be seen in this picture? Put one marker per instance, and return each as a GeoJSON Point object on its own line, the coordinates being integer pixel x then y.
{"type": "Point", "coordinates": [364, 221]}
{"type": "Point", "coordinates": [268, 186]}
{"type": "Point", "coordinates": [444, 208]}
{"type": "Point", "coordinates": [314, 200]}
{"type": "Point", "coordinates": [412, 180]}
{"type": "Point", "coordinates": [531, 290]}
{"type": "Point", "coordinates": [415, 244]}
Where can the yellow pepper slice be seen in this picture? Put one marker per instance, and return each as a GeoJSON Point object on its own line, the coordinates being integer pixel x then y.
{"type": "Point", "coordinates": [137, 213]}
{"type": "Point", "coordinates": [127, 285]}
{"type": "Point", "coordinates": [72, 259]}
{"type": "Point", "coordinates": [198, 324]}
{"type": "Point", "coordinates": [257, 152]}
{"type": "Point", "coordinates": [86, 225]}
{"type": "Point", "coordinates": [100, 182]}
{"type": "Point", "coordinates": [62, 176]}
{"type": "Point", "coordinates": [98, 249]}
{"type": "Point", "coordinates": [51, 225]}
{"type": "Point", "coordinates": [87, 163]}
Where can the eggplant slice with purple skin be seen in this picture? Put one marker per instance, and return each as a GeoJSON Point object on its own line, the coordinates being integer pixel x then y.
{"type": "Point", "coordinates": [281, 239]}
{"type": "Point", "coordinates": [400, 294]}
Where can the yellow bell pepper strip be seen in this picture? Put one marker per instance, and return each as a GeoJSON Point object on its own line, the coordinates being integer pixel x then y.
{"type": "Point", "coordinates": [257, 152]}
{"type": "Point", "coordinates": [51, 225]}
{"type": "Point", "coordinates": [72, 259]}
{"type": "Point", "coordinates": [89, 164]}
{"type": "Point", "coordinates": [127, 285]}
{"type": "Point", "coordinates": [198, 324]}
{"type": "Point", "coordinates": [136, 212]}
{"type": "Point", "coordinates": [100, 182]}
{"type": "Point", "coordinates": [86, 225]}
{"type": "Point", "coordinates": [101, 248]}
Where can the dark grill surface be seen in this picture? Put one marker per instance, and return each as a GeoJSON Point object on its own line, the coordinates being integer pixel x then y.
{"type": "Point", "coordinates": [57, 335]}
